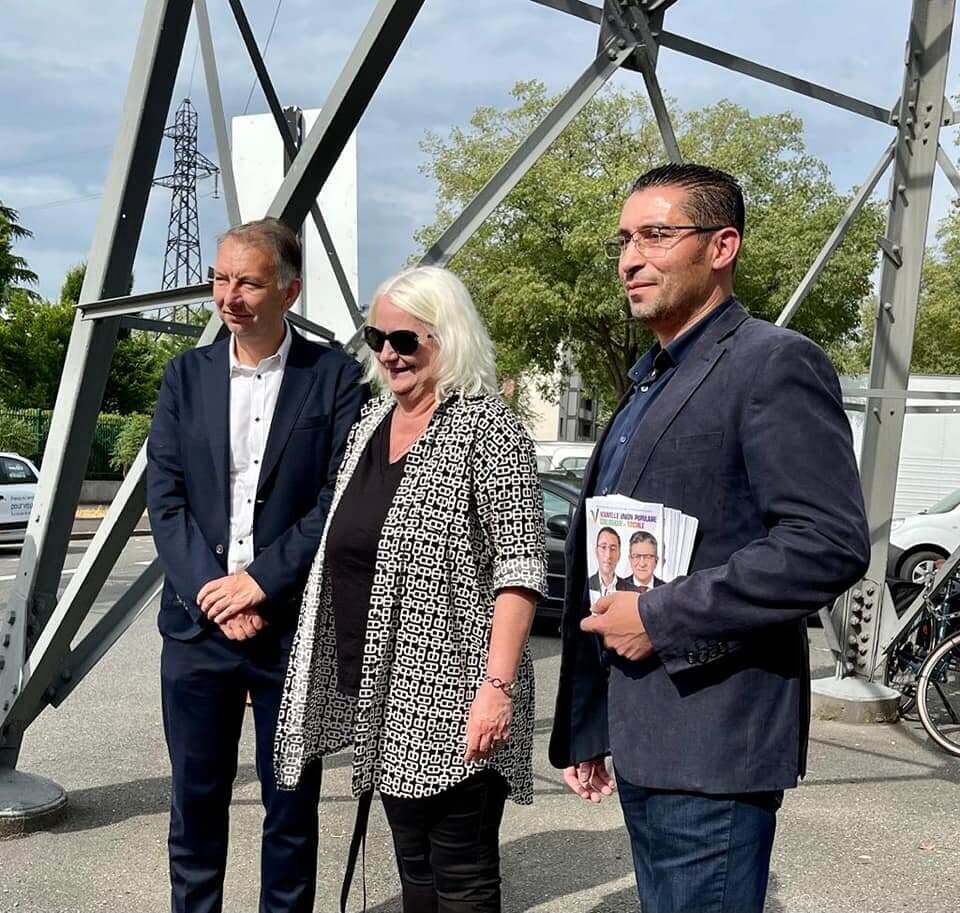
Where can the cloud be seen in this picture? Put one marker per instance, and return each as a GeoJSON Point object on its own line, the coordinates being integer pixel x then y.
{"type": "Point", "coordinates": [65, 69]}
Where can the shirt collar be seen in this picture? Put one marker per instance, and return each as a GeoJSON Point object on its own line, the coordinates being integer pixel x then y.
{"type": "Point", "coordinates": [659, 359]}
{"type": "Point", "coordinates": [275, 362]}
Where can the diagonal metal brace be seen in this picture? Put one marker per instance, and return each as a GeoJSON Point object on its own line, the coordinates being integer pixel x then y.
{"type": "Point", "coordinates": [893, 252]}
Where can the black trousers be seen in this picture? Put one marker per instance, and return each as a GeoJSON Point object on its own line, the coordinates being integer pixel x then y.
{"type": "Point", "coordinates": [204, 683]}
{"type": "Point", "coordinates": [448, 846]}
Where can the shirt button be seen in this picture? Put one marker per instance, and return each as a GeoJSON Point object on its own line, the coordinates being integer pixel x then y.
{"type": "Point", "coordinates": [257, 419]}
{"type": "Point", "coordinates": [623, 440]}
{"type": "Point", "coordinates": [240, 542]}
{"type": "Point", "coordinates": [249, 501]}
{"type": "Point", "coordinates": [258, 377]}
{"type": "Point", "coordinates": [219, 549]}
{"type": "Point", "coordinates": [644, 389]}
{"type": "Point", "coordinates": [256, 462]}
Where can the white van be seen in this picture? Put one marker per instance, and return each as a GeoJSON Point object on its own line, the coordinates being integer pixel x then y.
{"type": "Point", "coordinates": [557, 456]}
{"type": "Point", "coordinates": [18, 484]}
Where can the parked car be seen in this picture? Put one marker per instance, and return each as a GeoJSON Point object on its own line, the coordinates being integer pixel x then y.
{"type": "Point", "coordinates": [18, 484]}
{"type": "Point", "coordinates": [919, 540]}
{"type": "Point", "coordinates": [561, 490]}
{"type": "Point", "coordinates": [563, 455]}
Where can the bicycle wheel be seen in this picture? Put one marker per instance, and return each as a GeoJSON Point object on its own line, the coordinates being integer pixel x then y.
{"type": "Point", "coordinates": [938, 695]}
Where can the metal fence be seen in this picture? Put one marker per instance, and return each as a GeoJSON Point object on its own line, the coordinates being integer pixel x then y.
{"type": "Point", "coordinates": [36, 425]}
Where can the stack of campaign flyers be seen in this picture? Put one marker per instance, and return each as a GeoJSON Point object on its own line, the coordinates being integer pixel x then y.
{"type": "Point", "coordinates": [634, 545]}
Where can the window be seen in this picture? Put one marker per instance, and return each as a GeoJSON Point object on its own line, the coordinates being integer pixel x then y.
{"type": "Point", "coordinates": [15, 472]}
{"type": "Point", "coordinates": [574, 462]}
{"type": "Point", "coordinates": [554, 504]}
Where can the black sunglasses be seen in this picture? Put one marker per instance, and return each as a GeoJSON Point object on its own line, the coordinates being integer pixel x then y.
{"type": "Point", "coordinates": [403, 342]}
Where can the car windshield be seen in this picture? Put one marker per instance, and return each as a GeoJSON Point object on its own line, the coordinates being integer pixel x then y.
{"type": "Point", "coordinates": [945, 505]}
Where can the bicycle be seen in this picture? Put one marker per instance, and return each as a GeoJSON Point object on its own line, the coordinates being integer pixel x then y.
{"type": "Point", "coordinates": [933, 625]}
{"type": "Point", "coordinates": [938, 695]}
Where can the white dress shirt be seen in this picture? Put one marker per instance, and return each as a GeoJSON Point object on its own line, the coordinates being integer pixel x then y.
{"type": "Point", "coordinates": [253, 400]}
{"type": "Point", "coordinates": [607, 588]}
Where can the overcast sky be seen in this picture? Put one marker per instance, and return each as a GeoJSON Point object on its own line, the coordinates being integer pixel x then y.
{"type": "Point", "coordinates": [64, 69]}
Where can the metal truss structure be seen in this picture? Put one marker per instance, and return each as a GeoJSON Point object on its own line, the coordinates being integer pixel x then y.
{"type": "Point", "coordinates": [40, 664]}
{"type": "Point", "coordinates": [182, 259]}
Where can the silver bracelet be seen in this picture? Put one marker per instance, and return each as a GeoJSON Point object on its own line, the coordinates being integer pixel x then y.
{"type": "Point", "coordinates": [505, 686]}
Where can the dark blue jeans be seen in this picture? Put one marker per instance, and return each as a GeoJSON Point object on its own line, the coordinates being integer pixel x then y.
{"type": "Point", "coordinates": [696, 853]}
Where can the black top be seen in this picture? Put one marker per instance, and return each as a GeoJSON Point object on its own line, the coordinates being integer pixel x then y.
{"type": "Point", "coordinates": [352, 542]}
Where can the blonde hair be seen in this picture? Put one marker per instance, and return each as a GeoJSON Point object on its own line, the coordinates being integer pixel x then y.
{"type": "Point", "coordinates": [465, 356]}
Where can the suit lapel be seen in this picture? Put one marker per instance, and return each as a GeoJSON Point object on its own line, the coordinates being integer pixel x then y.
{"type": "Point", "coordinates": [691, 372]}
{"type": "Point", "coordinates": [298, 377]}
{"type": "Point", "coordinates": [216, 399]}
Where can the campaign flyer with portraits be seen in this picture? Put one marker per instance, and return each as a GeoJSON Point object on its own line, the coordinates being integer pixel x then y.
{"type": "Point", "coordinates": [635, 545]}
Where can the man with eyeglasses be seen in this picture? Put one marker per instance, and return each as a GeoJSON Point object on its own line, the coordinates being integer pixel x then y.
{"type": "Point", "coordinates": [243, 452]}
{"type": "Point", "coordinates": [701, 696]}
{"type": "Point", "coordinates": [643, 562]}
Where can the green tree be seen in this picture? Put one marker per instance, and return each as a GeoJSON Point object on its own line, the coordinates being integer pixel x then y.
{"type": "Point", "coordinates": [16, 435]}
{"type": "Point", "coordinates": [536, 268]}
{"type": "Point", "coordinates": [15, 275]}
{"type": "Point", "coordinates": [127, 445]}
{"type": "Point", "coordinates": [33, 344]}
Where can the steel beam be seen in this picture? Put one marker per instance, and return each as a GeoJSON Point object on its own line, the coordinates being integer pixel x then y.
{"type": "Point", "coordinates": [146, 301]}
{"type": "Point", "coordinates": [341, 112]}
{"type": "Point", "coordinates": [169, 327]}
{"type": "Point", "coordinates": [527, 154]}
{"type": "Point", "coordinates": [775, 77]}
{"type": "Point", "coordinates": [87, 364]}
{"type": "Point", "coordinates": [219, 119]}
{"type": "Point", "coordinates": [578, 8]}
{"type": "Point", "coordinates": [949, 169]}
{"type": "Point", "coordinates": [915, 159]}
{"type": "Point", "coordinates": [646, 61]}
{"type": "Point", "coordinates": [106, 632]}
{"type": "Point", "coordinates": [290, 147]}
{"type": "Point", "coordinates": [836, 237]}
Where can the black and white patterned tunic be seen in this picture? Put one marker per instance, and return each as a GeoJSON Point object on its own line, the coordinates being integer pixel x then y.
{"type": "Point", "coordinates": [466, 521]}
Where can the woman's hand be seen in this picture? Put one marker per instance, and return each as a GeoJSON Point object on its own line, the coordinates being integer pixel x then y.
{"type": "Point", "coordinates": [488, 726]}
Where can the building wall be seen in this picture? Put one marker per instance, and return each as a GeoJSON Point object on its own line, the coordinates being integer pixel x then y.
{"type": "Point", "coordinates": [258, 164]}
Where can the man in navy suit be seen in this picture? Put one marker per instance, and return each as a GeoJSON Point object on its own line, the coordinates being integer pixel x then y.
{"type": "Point", "coordinates": [642, 553]}
{"type": "Point", "coordinates": [702, 693]}
{"type": "Point", "coordinates": [243, 451]}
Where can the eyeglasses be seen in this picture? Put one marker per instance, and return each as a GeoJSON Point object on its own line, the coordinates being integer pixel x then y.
{"type": "Point", "coordinates": [653, 240]}
{"type": "Point", "coordinates": [403, 342]}
{"type": "Point", "coordinates": [643, 557]}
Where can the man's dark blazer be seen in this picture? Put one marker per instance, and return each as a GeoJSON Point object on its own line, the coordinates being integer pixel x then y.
{"type": "Point", "coordinates": [748, 435]}
{"type": "Point", "coordinates": [594, 582]}
{"type": "Point", "coordinates": [188, 476]}
{"type": "Point", "coordinates": [626, 584]}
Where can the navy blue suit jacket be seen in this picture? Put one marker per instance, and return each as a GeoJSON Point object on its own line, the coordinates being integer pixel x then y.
{"type": "Point", "coordinates": [188, 476]}
{"type": "Point", "coordinates": [749, 435]}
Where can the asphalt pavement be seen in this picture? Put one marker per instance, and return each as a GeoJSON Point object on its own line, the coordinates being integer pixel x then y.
{"type": "Point", "coordinates": [875, 827]}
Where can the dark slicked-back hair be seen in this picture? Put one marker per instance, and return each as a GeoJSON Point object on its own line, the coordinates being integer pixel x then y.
{"type": "Point", "coordinates": [713, 196]}
{"type": "Point", "coordinates": [276, 237]}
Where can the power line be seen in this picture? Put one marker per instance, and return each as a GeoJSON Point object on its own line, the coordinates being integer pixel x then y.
{"type": "Point", "coordinates": [63, 202]}
{"type": "Point", "coordinates": [23, 163]}
{"type": "Point", "coordinates": [263, 53]}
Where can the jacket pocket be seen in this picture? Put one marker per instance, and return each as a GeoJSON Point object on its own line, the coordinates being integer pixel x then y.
{"type": "Point", "coordinates": [698, 443]}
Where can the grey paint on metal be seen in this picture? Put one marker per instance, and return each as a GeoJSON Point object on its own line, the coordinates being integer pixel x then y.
{"type": "Point", "coordinates": [290, 145]}
{"type": "Point", "coordinates": [949, 169]}
{"type": "Point", "coordinates": [216, 112]}
{"type": "Point", "coordinates": [301, 322]}
{"type": "Point", "coordinates": [768, 74]}
{"type": "Point", "coordinates": [89, 353]}
{"type": "Point", "coordinates": [646, 60]}
{"type": "Point", "coordinates": [106, 632]}
{"type": "Point", "coordinates": [44, 660]}
{"type": "Point", "coordinates": [925, 73]}
{"type": "Point", "coordinates": [576, 8]}
{"type": "Point", "coordinates": [836, 237]}
{"type": "Point", "coordinates": [161, 326]}
{"type": "Point", "coordinates": [341, 112]}
{"type": "Point", "coordinates": [146, 301]}
{"type": "Point", "coordinates": [526, 155]}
